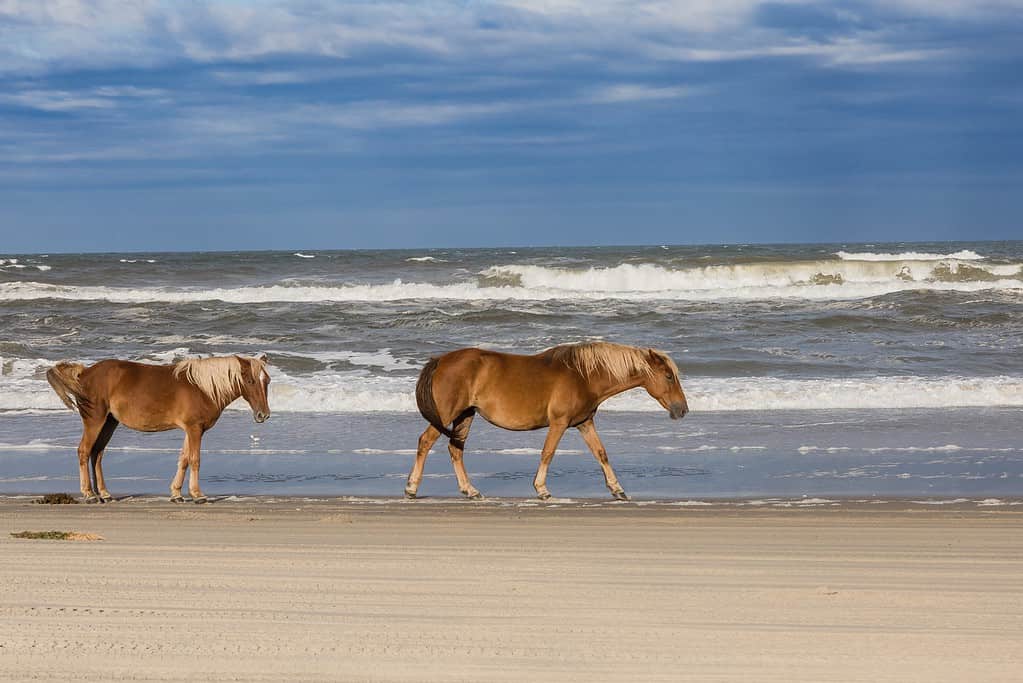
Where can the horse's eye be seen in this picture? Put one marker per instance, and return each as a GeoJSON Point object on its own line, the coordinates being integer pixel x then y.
{"type": "Point", "coordinates": [670, 377]}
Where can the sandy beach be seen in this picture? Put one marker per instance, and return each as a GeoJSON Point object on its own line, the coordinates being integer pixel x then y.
{"type": "Point", "coordinates": [263, 589]}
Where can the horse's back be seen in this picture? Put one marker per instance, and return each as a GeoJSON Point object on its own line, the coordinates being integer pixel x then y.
{"type": "Point", "coordinates": [127, 374]}
{"type": "Point", "coordinates": [477, 367]}
{"type": "Point", "coordinates": [143, 396]}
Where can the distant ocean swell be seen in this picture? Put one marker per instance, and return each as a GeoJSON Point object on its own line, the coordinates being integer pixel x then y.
{"type": "Point", "coordinates": [855, 275]}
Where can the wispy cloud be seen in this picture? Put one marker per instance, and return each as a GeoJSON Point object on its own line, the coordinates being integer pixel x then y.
{"type": "Point", "coordinates": [636, 92]}
{"type": "Point", "coordinates": [45, 35]}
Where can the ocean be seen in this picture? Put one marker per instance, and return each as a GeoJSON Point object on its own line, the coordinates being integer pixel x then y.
{"type": "Point", "coordinates": [812, 370]}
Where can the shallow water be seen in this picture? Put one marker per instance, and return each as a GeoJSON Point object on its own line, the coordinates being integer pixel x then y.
{"type": "Point", "coordinates": [944, 453]}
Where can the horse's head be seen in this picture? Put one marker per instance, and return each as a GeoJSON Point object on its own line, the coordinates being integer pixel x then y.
{"type": "Point", "coordinates": [664, 384]}
{"type": "Point", "coordinates": [254, 383]}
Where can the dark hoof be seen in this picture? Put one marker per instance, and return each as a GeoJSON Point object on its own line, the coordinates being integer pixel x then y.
{"type": "Point", "coordinates": [177, 499]}
{"type": "Point", "coordinates": [89, 500]}
{"type": "Point", "coordinates": [543, 496]}
{"type": "Point", "coordinates": [475, 496]}
{"type": "Point", "coordinates": [107, 499]}
{"type": "Point", "coordinates": [200, 500]}
{"type": "Point", "coordinates": [410, 496]}
{"type": "Point", "coordinates": [619, 495]}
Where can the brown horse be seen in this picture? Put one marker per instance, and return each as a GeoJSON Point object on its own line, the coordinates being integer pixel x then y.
{"type": "Point", "coordinates": [189, 395]}
{"type": "Point", "coordinates": [558, 388]}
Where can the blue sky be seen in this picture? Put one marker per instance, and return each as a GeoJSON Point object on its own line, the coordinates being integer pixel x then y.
{"type": "Point", "coordinates": [219, 124]}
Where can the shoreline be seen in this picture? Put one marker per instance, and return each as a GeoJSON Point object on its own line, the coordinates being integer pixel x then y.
{"type": "Point", "coordinates": [9, 501]}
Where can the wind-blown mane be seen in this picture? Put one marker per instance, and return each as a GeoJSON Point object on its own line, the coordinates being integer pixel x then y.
{"type": "Point", "coordinates": [219, 377]}
{"type": "Point", "coordinates": [617, 360]}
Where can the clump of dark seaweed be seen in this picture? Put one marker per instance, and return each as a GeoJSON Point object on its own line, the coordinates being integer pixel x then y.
{"type": "Point", "coordinates": [57, 499]}
{"type": "Point", "coordinates": [56, 536]}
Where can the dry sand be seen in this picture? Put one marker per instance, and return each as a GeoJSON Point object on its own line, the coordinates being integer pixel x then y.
{"type": "Point", "coordinates": [301, 590]}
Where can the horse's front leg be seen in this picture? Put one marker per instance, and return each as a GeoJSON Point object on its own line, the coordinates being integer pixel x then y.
{"type": "Point", "coordinates": [194, 440]}
{"type": "Point", "coordinates": [188, 460]}
{"type": "Point", "coordinates": [550, 444]}
{"type": "Point", "coordinates": [179, 476]}
{"type": "Point", "coordinates": [589, 434]}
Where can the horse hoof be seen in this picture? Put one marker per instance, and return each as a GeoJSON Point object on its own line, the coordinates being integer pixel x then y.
{"type": "Point", "coordinates": [474, 496]}
{"type": "Point", "coordinates": [410, 495]}
{"type": "Point", "coordinates": [106, 499]}
{"type": "Point", "coordinates": [89, 500]}
{"type": "Point", "coordinates": [543, 496]}
{"type": "Point", "coordinates": [619, 495]}
{"type": "Point", "coordinates": [200, 500]}
{"type": "Point", "coordinates": [177, 499]}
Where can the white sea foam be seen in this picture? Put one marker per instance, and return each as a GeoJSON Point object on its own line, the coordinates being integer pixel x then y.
{"type": "Point", "coordinates": [425, 259]}
{"type": "Point", "coordinates": [964, 255]}
{"type": "Point", "coordinates": [17, 265]}
{"type": "Point", "coordinates": [948, 448]}
{"type": "Point", "coordinates": [137, 260]}
{"type": "Point", "coordinates": [381, 358]}
{"type": "Point", "coordinates": [35, 445]}
{"type": "Point", "coordinates": [301, 255]}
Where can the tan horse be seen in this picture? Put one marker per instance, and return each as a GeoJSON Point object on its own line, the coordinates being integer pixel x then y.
{"type": "Point", "coordinates": [558, 388]}
{"type": "Point", "coordinates": [189, 395]}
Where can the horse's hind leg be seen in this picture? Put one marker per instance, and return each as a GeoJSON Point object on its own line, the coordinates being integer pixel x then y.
{"type": "Point", "coordinates": [426, 441]}
{"type": "Point", "coordinates": [96, 458]}
{"type": "Point", "coordinates": [589, 434]}
{"type": "Point", "coordinates": [456, 447]}
{"type": "Point", "coordinates": [91, 429]}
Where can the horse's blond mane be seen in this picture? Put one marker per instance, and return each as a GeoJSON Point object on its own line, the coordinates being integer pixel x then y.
{"type": "Point", "coordinates": [618, 360]}
{"type": "Point", "coordinates": [219, 377]}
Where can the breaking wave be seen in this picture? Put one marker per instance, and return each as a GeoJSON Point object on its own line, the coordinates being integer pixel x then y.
{"type": "Point", "coordinates": [962, 255]}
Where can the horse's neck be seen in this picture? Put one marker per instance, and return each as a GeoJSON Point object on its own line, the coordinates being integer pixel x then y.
{"type": "Point", "coordinates": [606, 386]}
{"type": "Point", "coordinates": [230, 397]}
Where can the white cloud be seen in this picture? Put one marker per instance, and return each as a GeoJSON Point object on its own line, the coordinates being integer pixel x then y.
{"type": "Point", "coordinates": [56, 100]}
{"type": "Point", "coordinates": [633, 92]}
{"type": "Point", "coordinates": [102, 97]}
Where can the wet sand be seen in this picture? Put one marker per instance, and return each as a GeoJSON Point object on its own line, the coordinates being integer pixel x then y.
{"type": "Point", "coordinates": [332, 590]}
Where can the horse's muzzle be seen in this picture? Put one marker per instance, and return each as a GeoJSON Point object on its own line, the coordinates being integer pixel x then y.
{"type": "Point", "coordinates": [261, 417]}
{"type": "Point", "coordinates": [678, 411]}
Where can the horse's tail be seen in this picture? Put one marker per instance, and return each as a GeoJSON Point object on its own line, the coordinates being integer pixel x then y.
{"type": "Point", "coordinates": [428, 405]}
{"type": "Point", "coordinates": [64, 378]}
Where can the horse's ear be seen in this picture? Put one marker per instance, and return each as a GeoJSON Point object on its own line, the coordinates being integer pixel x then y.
{"type": "Point", "coordinates": [262, 357]}
{"type": "Point", "coordinates": [653, 356]}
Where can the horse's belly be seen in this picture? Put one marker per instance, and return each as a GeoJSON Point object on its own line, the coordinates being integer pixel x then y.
{"type": "Point", "coordinates": [513, 420]}
{"type": "Point", "coordinates": [142, 418]}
